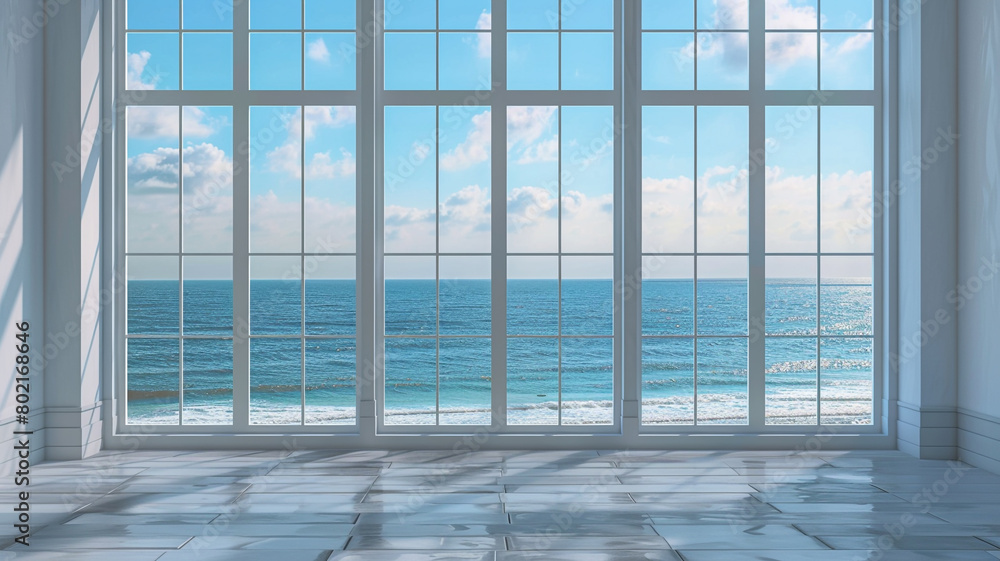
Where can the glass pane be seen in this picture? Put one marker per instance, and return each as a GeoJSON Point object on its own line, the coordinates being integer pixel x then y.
{"type": "Point", "coordinates": [723, 61]}
{"type": "Point", "coordinates": [588, 61]}
{"type": "Point", "coordinates": [331, 61]}
{"type": "Point", "coordinates": [796, 14]}
{"type": "Point", "coordinates": [532, 295]}
{"type": "Point", "coordinates": [588, 381]}
{"type": "Point", "coordinates": [667, 295]}
{"type": "Point", "coordinates": [723, 188]}
{"type": "Point", "coordinates": [410, 14]}
{"type": "Point", "coordinates": [464, 179]}
{"type": "Point", "coordinates": [465, 61]}
{"type": "Point", "coordinates": [847, 191]}
{"type": "Point", "coordinates": [152, 177]}
{"type": "Point", "coordinates": [410, 61]}
{"type": "Point", "coordinates": [668, 14]}
{"type": "Point", "coordinates": [331, 382]}
{"type": "Point", "coordinates": [722, 381]}
{"type": "Point", "coordinates": [532, 179]}
{"type": "Point", "coordinates": [275, 381]}
{"type": "Point", "coordinates": [791, 186]}
{"type": "Point", "coordinates": [276, 180]}
{"type": "Point", "coordinates": [330, 14]}
{"type": "Point", "coordinates": [723, 14]}
{"type": "Point", "coordinates": [591, 14]}
{"type": "Point", "coordinates": [275, 14]}
{"type": "Point", "coordinates": [275, 295]}
{"type": "Point", "coordinates": [465, 382]}
{"type": "Point", "coordinates": [275, 61]}
{"type": "Point", "coordinates": [533, 381]}
{"type": "Point", "coordinates": [330, 295]}
{"type": "Point", "coordinates": [152, 61]}
{"type": "Point", "coordinates": [464, 14]}
{"type": "Point", "coordinates": [208, 382]}
{"type": "Point", "coordinates": [153, 294]}
{"type": "Point", "coordinates": [667, 381]}
{"type": "Point", "coordinates": [464, 293]}
{"type": "Point", "coordinates": [588, 182]}
{"type": "Point", "coordinates": [790, 381]}
{"type": "Point", "coordinates": [331, 182]}
{"type": "Point", "coordinates": [152, 379]}
{"type": "Point", "coordinates": [846, 300]}
{"type": "Point", "coordinates": [722, 295]}
{"type": "Point", "coordinates": [667, 61]}
{"type": "Point", "coordinates": [588, 295]}
{"type": "Point", "coordinates": [207, 14]}
{"type": "Point", "coordinates": [846, 381]}
{"type": "Point", "coordinates": [410, 192]}
{"type": "Point", "coordinates": [533, 61]}
{"type": "Point", "coordinates": [848, 61]}
{"type": "Point", "coordinates": [410, 381]}
{"type": "Point", "coordinates": [410, 296]}
{"type": "Point", "coordinates": [847, 14]}
{"type": "Point", "coordinates": [668, 192]}
{"type": "Point", "coordinates": [208, 296]}
{"type": "Point", "coordinates": [532, 14]}
{"type": "Point", "coordinates": [152, 14]}
{"type": "Point", "coordinates": [791, 61]}
{"type": "Point", "coordinates": [791, 297]}
{"type": "Point", "coordinates": [208, 61]}
{"type": "Point", "coordinates": [208, 179]}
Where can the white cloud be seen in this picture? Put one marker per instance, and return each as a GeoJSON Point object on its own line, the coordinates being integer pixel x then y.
{"type": "Point", "coordinates": [541, 151]}
{"type": "Point", "coordinates": [323, 166]}
{"type": "Point", "coordinates": [526, 124]}
{"type": "Point", "coordinates": [286, 159]}
{"type": "Point", "coordinates": [136, 64]}
{"type": "Point", "coordinates": [851, 44]}
{"type": "Point", "coordinates": [484, 43]}
{"type": "Point", "coordinates": [781, 14]}
{"type": "Point", "coordinates": [317, 51]}
{"type": "Point", "coordinates": [156, 122]}
{"type": "Point", "coordinates": [317, 117]}
{"type": "Point", "coordinates": [474, 149]}
{"type": "Point", "coordinates": [465, 221]}
{"type": "Point", "coordinates": [667, 215]}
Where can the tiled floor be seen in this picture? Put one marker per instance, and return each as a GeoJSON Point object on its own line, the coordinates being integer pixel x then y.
{"type": "Point", "coordinates": [579, 506]}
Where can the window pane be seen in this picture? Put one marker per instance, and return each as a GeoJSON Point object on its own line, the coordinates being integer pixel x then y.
{"type": "Point", "coordinates": [153, 293]}
{"type": "Point", "coordinates": [410, 61]}
{"type": "Point", "coordinates": [331, 61]}
{"type": "Point", "coordinates": [592, 14]}
{"type": "Point", "coordinates": [276, 180]}
{"type": "Point", "coordinates": [846, 296]}
{"type": "Point", "coordinates": [208, 296]}
{"type": "Point", "coordinates": [848, 61]}
{"type": "Point", "coordinates": [331, 382]}
{"type": "Point", "coordinates": [532, 61]}
{"type": "Point", "coordinates": [790, 296]}
{"type": "Point", "coordinates": [410, 381]}
{"type": "Point", "coordinates": [410, 190]}
{"type": "Point", "coordinates": [533, 381]}
{"type": "Point", "coordinates": [723, 14]}
{"type": "Point", "coordinates": [722, 295]}
{"type": "Point", "coordinates": [411, 14]}
{"type": "Point", "coordinates": [791, 186]}
{"type": "Point", "coordinates": [533, 295]}
{"type": "Point", "coordinates": [465, 381]}
{"type": "Point", "coordinates": [723, 188]}
{"type": "Point", "coordinates": [275, 14]}
{"type": "Point", "coordinates": [152, 14]}
{"type": "Point", "coordinates": [465, 61]}
{"type": "Point", "coordinates": [207, 14]}
{"type": "Point", "coordinates": [790, 381]}
{"type": "Point", "coordinates": [668, 191]}
{"type": "Point", "coordinates": [331, 182]}
{"type": "Point", "coordinates": [668, 14]}
{"type": "Point", "coordinates": [152, 61]}
{"type": "Point", "coordinates": [275, 61]}
{"type": "Point", "coordinates": [152, 378]}
{"type": "Point", "coordinates": [410, 296]}
{"type": "Point", "coordinates": [152, 178]}
{"type": "Point", "coordinates": [588, 295]}
{"type": "Point", "coordinates": [330, 295]}
{"type": "Point", "coordinates": [723, 61]}
{"type": "Point", "coordinates": [532, 14]}
{"type": "Point", "coordinates": [722, 381]}
{"type": "Point", "coordinates": [464, 293]}
{"type": "Point", "coordinates": [588, 202]}
{"type": "Point", "coordinates": [208, 61]}
{"type": "Point", "coordinates": [668, 61]}
{"type": "Point", "coordinates": [667, 295]}
{"type": "Point", "coordinates": [846, 381]}
{"type": "Point", "coordinates": [275, 381]}
{"type": "Point", "coordinates": [847, 165]}
{"type": "Point", "coordinates": [848, 14]}
{"type": "Point", "coordinates": [275, 295]}
{"type": "Point", "coordinates": [791, 61]}
{"type": "Point", "coordinates": [208, 382]}
{"type": "Point", "coordinates": [532, 179]}
{"type": "Point", "coordinates": [797, 14]}
{"type": "Point", "coordinates": [208, 179]}
{"type": "Point", "coordinates": [330, 14]}
{"type": "Point", "coordinates": [667, 381]}
{"type": "Point", "coordinates": [588, 381]}
{"type": "Point", "coordinates": [464, 179]}
{"type": "Point", "coordinates": [464, 14]}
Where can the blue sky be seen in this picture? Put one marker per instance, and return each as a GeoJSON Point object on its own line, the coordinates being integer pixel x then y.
{"type": "Point", "coordinates": [438, 163]}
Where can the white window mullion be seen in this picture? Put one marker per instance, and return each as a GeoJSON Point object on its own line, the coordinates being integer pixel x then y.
{"type": "Point", "coordinates": [369, 236]}
{"type": "Point", "coordinates": [628, 148]}
{"type": "Point", "coordinates": [498, 205]}
{"type": "Point", "coordinates": [756, 167]}
{"type": "Point", "coordinates": [241, 220]}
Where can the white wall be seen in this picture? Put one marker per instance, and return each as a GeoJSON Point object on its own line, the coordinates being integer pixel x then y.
{"type": "Point", "coordinates": [979, 232]}
{"type": "Point", "coordinates": [21, 220]}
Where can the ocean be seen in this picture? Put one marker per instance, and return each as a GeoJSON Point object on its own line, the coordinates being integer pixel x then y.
{"type": "Point", "coordinates": [457, 392]}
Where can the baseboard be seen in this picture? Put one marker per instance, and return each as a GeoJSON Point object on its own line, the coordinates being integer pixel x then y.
{"type": "Point", "coordinates": [979, 440]}
{"type": "Point", "coordinates": [928, 433]}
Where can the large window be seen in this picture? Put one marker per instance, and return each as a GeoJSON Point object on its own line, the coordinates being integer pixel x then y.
{"type": "Point", "coordinates": [539, 216]}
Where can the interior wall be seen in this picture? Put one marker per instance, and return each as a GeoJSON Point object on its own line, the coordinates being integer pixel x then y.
{"type": "Point", "coordinates": [21, 218]}
{"type": "Point", "coordinates": [977, 296]}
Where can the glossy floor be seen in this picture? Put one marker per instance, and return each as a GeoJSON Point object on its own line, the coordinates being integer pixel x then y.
{"type": "Point", "coordinates": [580, 506]}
